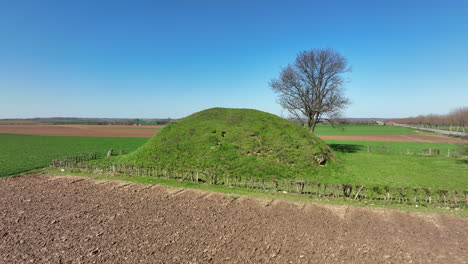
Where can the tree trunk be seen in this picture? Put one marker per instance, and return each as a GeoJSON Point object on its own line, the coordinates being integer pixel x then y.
{"type": "Point", "coordinates": [311, 122]}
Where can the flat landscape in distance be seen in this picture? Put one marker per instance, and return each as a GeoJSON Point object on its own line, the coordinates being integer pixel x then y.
{"type": "Point", "coordinates": [420, 138]}
{"type": "Point", "coordinates": [82, 130]}
{"type": "Point", "coordinates": [325, 132]}
{"type": "Point", "coordinates": [362, 130]}
{"type": "Point", "coordinates": [382, 133]}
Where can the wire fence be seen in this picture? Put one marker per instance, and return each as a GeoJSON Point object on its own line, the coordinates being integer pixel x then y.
{"type": "Point", "coordinates": [382, 149]}
{"type": "Point", "coordinates": [402, 194]}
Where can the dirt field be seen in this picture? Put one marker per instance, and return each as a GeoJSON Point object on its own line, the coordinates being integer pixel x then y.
{"type": "Point", "coordinates": [149, 131]}
{"type": "Point", "coordinates": [78, 220]}
{"type": "Point", "coordinates": [82, 130]}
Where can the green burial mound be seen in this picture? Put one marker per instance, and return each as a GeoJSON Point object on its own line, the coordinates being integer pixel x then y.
{"type": "Point", "coordinates": [238, 142]}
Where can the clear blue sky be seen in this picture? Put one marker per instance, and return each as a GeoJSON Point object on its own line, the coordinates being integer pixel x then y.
{"type": "Point", "coordinates": [172, 58]}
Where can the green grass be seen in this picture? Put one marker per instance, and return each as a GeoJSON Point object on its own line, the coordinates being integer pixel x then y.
{"type": "Point", "coordinates": [20, 153]}
{"type": "Point", "coordinates": [361, 130]}
{"type": "Point", "coordinates": [393, 147]}
{"type": "Point", "coordinates": [356, 166]}
{"type": "Point", "coordinates": [397, 170]}
{"type": "Point", "coordinates": [243, 142]}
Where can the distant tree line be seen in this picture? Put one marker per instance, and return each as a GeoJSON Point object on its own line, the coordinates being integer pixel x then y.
{"type": "Point", "coordinates": [88, 121]}
{"type": "Point", "coordinates": [455, 120]}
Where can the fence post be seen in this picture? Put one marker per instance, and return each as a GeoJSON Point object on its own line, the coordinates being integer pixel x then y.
{"type": "Point", "coordinates": [387, 193]}
{"type": "Point", "coordinates": [357, 193]}
{"type": "Point", "coordinates": [428, 195]}
{"type": "Point", "coordinates": [275, 182]}
{"type": "Point", "coordinates": [415, 194]}
{"type": "Point", "coordinates": [300, 187]}
{"type": "Point", "coordinates": [465, 192]}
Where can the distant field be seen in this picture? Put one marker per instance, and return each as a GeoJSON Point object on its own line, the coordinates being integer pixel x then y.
{"type": "Point", "coordinates": [361, 130]}
{"type": "Point", "coordinates": [18, 122]}
{"type": "Point", "coordinates": [82, 130]}
{"type": "Point", "coordinates": [20, 153]}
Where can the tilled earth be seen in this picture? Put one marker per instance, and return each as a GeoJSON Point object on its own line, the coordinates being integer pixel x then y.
{"type": "Point", "coordinates": [149, 131]}
{"type": "Point", "coordinates": [79, 220]}
{"type": "Point", "coordinates": [82, 130]}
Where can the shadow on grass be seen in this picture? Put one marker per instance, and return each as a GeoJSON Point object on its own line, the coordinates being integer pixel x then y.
{"type": "Point", "coordinates": [346, 148]}
{"type": "Point", "coordinates": [463, 161]}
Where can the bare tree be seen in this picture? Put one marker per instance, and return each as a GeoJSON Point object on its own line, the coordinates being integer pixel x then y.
{"type": "Point", "coordinates": [312, 87]}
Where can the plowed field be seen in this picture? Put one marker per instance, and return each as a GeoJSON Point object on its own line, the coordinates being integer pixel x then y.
{"type": "Point", "coordinates": [82, 130]}
{"type": "Point", "coordinates": [79, 220]}
{"type": "Point", "coordinates": [149, 131]}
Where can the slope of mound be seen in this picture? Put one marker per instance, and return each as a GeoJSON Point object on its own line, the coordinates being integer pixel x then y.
{"type": "Point", "coordinates": [241, 142]}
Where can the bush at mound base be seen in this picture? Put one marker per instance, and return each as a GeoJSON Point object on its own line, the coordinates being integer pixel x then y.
{"type": "Point", "coordinates": [239, 142]}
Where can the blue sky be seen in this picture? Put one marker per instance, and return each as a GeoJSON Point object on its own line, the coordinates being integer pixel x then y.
{"type": "Point", "coordinates": [169, 59]}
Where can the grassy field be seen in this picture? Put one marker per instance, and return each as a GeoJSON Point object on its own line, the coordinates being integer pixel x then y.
{"type": "Point", "coordinates": [351, 146]}
{"type": "Point", "coordinates": [356, 166]}
{"type": "Point", "coordinates": [396, 170]}
{"type": "Point", "coordinates": [20, 153]}
{"type": "Point", "coordinates": [361, 130]}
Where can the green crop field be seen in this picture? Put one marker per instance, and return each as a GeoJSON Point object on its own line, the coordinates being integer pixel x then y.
{"type": "Point", "coordinates": [20, 153]}
{"type": "Point", "coordinates": [361, 130]}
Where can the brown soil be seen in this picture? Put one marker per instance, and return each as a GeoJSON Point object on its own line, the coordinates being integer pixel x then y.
{"type": "Point", "coordinates": [399, 138]}
{"type": "Point", "coordinates": [149, 131]}
{"type": "Point", "coordinates": [79, 220]}
{"type": "Point", "coordinates": [82, 130]}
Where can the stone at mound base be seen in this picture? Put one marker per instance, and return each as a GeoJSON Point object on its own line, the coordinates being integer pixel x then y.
{"type": "Point", "coordinates": [243, 142]}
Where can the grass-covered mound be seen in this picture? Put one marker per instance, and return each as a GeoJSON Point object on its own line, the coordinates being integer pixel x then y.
{"type": "Point", "coordinates": [241, 142]}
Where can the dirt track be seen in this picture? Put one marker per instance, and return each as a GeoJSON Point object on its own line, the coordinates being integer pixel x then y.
{"type": "Point", "coordinates": [69, 219]}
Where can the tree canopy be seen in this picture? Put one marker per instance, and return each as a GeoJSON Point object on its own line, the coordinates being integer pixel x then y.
{"type": "Point", "coordinates": [311, 88]}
